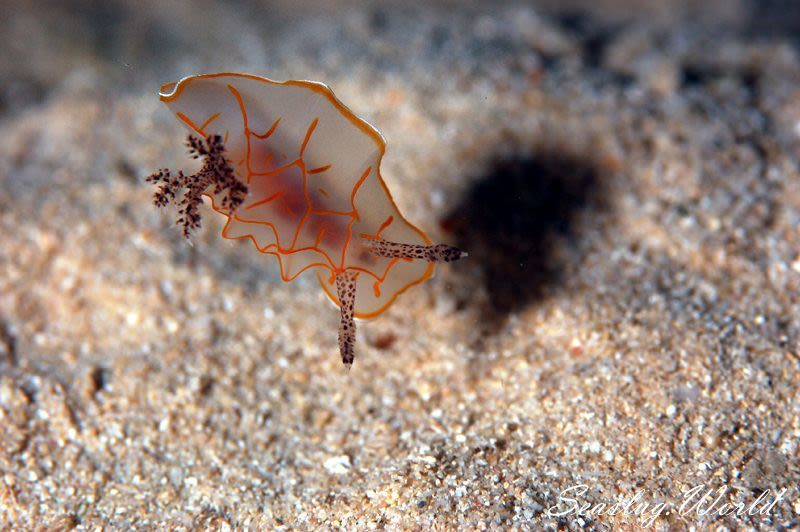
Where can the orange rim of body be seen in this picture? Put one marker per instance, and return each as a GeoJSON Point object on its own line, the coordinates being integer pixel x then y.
{"type": "Point", "coordinates": [177, 88]}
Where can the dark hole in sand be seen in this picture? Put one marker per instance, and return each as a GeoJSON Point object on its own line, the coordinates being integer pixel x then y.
{"type": "Point", "coordinates": [520, 224]}
{"type": "Point", "coordinates": [100, 379]}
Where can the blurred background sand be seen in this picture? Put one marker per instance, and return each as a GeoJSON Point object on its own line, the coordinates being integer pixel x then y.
{"type": "Point", "coordinates": [624, 175]}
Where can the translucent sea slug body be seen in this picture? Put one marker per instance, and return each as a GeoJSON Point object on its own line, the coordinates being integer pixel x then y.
{"type": "Point", "coordinates": [297, 173]}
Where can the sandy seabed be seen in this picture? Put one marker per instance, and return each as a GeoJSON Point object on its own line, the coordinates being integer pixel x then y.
{"type": "Point", "coordinates": [625, 329]}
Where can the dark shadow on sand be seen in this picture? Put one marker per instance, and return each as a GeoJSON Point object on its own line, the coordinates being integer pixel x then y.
{"type": "Point", "coordinates": [519, 222]}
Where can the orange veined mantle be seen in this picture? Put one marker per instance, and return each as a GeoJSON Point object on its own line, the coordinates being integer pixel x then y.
{"type": "Point", "coordinates": [313, 173]}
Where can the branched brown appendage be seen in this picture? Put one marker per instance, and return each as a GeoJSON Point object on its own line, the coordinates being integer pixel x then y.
{"type": "Point", "coordinates": [216, 172]}
{"type": "Point", "coordinates": [346, 290]}
{"type": "Point", "coordinates": [434, 253]}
